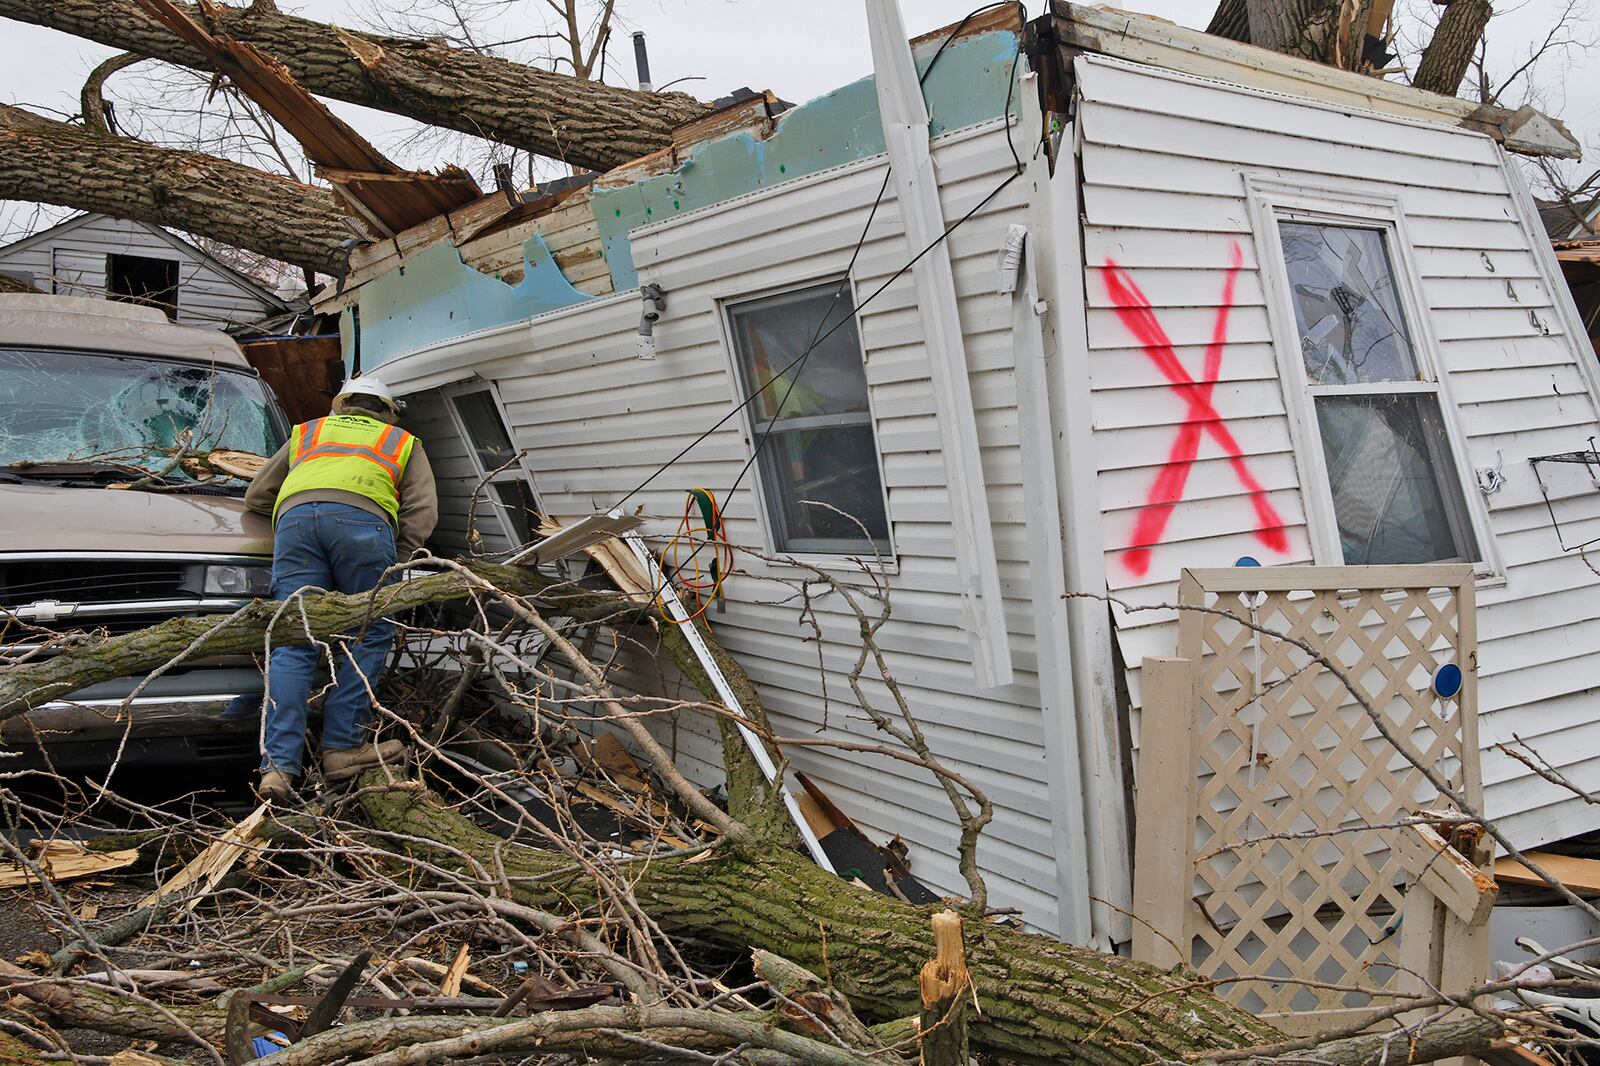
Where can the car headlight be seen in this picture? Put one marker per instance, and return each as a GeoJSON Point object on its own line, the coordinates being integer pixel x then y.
{"type": "Point", "coordinates": [235, 580]}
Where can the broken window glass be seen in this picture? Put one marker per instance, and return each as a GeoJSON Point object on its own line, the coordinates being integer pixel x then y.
{"type": "Point", "coordinates": [1385, 454]}
{"type": "Point", "coordinates": [73, 406]}
{"type": "Point", "coordinates": [506, 487]}
{"type": "Point", "coordinates": [488, 433]}
{"type": "Point", "coordinates": [1397, 493]}
{"type": "Point", "coordinates": [1348, 314]}
{"type": "Point", "coordinates": [820, 444]}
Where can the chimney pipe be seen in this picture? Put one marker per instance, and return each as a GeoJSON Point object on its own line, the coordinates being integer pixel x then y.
{"type": "Point", "coordinates": [641, 59]}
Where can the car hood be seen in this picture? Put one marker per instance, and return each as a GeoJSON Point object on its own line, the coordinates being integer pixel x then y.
{"type": "Point", "coordinates": [44, 518]}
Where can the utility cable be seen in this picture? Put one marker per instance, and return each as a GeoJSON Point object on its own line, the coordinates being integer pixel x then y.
{"type": "Point", "coordinates": [819, 336]}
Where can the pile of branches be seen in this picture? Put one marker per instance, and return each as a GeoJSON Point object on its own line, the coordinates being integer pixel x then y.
{"type": "Point", "coordinates": [510, 893]}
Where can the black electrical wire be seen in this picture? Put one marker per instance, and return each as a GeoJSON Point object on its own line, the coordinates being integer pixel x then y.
{"type": "Point", "coordinates": [818, 337]}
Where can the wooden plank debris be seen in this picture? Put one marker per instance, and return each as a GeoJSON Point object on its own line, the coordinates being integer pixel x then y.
{"type": "Point", "coordinates": [451, 985]}
{"type": "Point", "coordinates": [1579, 874]}
{"type": "Point", "coordinates": [66, 860]}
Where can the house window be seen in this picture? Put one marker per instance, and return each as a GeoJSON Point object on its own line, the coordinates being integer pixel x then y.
{"type": "Point", "coordinates": [1397, 492]}
{"type": "Point", "coordinates": [498, 463]}
{"type": "Point", "coordinates": [818, 455]}
{"type": "Point", "coordinates": [144, 280]}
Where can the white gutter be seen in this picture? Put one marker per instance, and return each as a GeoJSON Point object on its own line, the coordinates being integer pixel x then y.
{"type": "Point", "coordinates": [905, 131]}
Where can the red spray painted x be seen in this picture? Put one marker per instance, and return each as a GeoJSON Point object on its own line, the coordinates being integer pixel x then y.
{"type": "Point", "coordinates": [1134, 309]}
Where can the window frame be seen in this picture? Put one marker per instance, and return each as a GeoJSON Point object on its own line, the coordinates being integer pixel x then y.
{"type": "Point", "coordinates": [883, 558]}
{"type": "Point", "coordinates": [1272, 202]}
{"type": "Point", "coordinates": [518, 471]}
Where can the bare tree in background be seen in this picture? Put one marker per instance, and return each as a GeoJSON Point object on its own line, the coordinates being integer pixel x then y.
{"type": "Point", "coordinates": [1533, 74]}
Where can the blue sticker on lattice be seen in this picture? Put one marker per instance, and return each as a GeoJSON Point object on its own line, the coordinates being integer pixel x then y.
{"type": "Point", "coordinates": [1247, 560]}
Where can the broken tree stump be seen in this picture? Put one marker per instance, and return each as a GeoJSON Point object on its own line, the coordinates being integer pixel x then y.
{"type": "Point", "coordinates": [946, 994]}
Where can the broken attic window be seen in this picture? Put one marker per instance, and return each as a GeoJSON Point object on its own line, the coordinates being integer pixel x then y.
{"type": "Point", "coordinates": [141, 279]}
{"type": "Point", "coordinates": [1397, 494]}
{"type": "Point", "coordinates": [60, 406]}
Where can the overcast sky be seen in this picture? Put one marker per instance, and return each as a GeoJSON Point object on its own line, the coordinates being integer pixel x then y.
{"type": "Point", "coordinates": [798, 50]}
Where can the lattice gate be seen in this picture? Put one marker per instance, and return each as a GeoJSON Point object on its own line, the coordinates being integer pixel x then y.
{"type": "Point", "coordinates": [1283, 777]}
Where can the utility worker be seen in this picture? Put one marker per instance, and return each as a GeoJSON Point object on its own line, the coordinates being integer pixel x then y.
{"type": "Point", "coordinates": [348, 495]}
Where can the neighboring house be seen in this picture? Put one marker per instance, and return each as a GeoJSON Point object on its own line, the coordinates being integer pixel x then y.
{"type": "Point", "coordinates": [100, 256]}
{"type": "Point", "coordinates": [1204, 221]}
{"type": "Point", "coordinates": [1570, 221]}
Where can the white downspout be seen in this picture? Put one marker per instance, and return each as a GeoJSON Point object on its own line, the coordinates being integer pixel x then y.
{"type": "Point", "coordinates": [1054, 219]}
{"type": "Point", "coordinates": [905, 130]}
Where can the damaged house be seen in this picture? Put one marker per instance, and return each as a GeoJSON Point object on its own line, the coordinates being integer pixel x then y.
{"type": "Point", "coordinates": [1198, 305]}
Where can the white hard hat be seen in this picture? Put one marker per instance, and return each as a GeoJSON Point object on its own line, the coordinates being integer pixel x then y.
{"type": "Point", "coordinates": [369, 386]}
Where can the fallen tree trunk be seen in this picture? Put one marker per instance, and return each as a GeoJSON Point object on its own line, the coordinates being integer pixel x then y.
{"type": "Point", "coordinates": [144, 650]}
{"type": "Point", "coordinates": [57, 163]}
{"type": "Point", "coordinates": [586, 123]}
{"type": "Point", "coordinates": [1041, 1001]}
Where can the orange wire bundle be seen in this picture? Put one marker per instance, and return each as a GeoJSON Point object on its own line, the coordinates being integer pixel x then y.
{"type": "Point", "coordinates": [701, 531]}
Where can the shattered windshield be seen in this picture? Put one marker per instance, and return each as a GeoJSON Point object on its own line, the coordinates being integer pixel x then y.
{"type": "Point", "coordinates": [77, 407]}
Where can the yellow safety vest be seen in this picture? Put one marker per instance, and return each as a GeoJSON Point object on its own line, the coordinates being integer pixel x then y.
{"type": "Point", "coordinates": [352, 453]}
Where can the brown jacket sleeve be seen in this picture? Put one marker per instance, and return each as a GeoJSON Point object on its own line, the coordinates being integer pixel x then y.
{"type": "Point", "coordinates": [419, 504]}
{"type": "Point", "coordinates": [262, 495]}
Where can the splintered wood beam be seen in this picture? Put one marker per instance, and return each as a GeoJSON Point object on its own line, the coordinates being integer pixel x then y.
{"type": "Point", "coordinates": [1467, 891]}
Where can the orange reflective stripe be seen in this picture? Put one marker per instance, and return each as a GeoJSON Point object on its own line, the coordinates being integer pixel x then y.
{"type": "Point", "coordinates": [359, 451]}
{"type": "Point", "coordinates": [316, 431]}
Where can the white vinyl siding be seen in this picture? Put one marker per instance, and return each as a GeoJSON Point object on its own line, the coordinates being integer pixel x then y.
{"type": "Point", "coordinates": [597, 421]}
{"type": "Point", "coordinates": [1164, 158]}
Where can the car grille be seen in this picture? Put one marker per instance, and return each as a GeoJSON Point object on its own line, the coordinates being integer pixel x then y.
{"type": "Point", "coordinates": [104, 580]}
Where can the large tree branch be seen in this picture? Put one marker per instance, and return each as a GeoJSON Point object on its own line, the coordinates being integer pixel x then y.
{"type": "Point", "coordinates": [57, 163]}
{"type": "Point", "coordinates": [585, 123]}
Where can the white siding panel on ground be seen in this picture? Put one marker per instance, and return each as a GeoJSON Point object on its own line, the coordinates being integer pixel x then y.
{"type": "Point", "coordinates": [597, 422]}
{"type": "Point", "coordinates": [1165, 159]}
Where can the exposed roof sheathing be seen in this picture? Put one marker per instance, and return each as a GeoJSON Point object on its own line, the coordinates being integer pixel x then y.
{"type": "Point", "coordinates": [386, 198]}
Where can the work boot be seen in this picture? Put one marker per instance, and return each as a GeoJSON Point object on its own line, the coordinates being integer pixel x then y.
{"type": "Point", "coordinates": [276, 786]}
{"type": "Point", "coordinates": [346, 763]}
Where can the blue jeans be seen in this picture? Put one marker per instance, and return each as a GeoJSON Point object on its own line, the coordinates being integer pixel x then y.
{"type": "Point", "coordinates": [339, 548]}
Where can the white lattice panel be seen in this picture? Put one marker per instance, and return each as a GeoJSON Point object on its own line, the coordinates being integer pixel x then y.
{"type": "Point", "coordinates": [1291, 778]}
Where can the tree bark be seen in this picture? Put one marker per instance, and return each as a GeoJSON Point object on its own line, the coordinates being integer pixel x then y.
{"type": "Point", "coordinates": [1230, 20]}
{"type": "Point", "coordinates": [56, 163]}
{"type": "Point", "coordinates": [587, 124]}
{"type": "Point", "coordinates": [1041, 1000]}
{"type": "Point", "coordinates": [141, 651]}
{"type": "Point", "coordinates": [1455, 41]}
{"type": "Point", "coordinates": [1325, 31]}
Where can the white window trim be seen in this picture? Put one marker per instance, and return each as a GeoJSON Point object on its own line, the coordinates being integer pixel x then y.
{"type": "Point", "coordinates": [518, 471]}
{"type": "Point", "coordinates": [724, 299]}
{"type": "Point", "coordinates": [1268, 200]}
